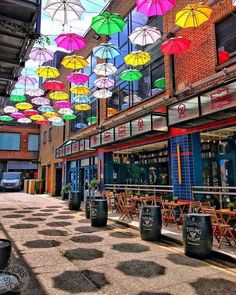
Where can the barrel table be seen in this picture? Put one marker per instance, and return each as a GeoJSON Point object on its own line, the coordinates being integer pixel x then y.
{"type": "Point", "coordinates": [197, 235]}
{"type": "Point", "coordinates": [9, 284]}
{"type": "Point", "coordinates": [75, 201]}
{"type": "Point", "coordinates": [150, 223]}
{"type": "Point", "coordinates": [5, 253]}
{"type": "Point", "coordinates": [98, 212]}
{"type": "Point", "coordinates": [87, 206]}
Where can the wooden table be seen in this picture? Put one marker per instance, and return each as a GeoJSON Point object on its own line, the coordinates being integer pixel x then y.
{"type": "Point", "coordinates": [168, 211]}
{"type": "Point", "coordinates": [226, 215]}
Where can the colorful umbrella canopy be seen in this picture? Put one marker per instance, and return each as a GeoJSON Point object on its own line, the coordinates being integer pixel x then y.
{"type": "Point", "coordinates": [70, 41]}
{"type": "Point", "coordinates": [24, 120]}
{"type": "Point", "coordinates": [9, 110]}
{"type": "Point", "coordinates": [27, 80]}
{"type": "Point", "coordinates": [193, 15]}
{"type": "Point", "coordinates": [104, 82]}
{"type": "Point", "coordinates": [81, 99]}
{"type": "Point", "coordinates": [107, 23]}
{"type": "Point", "coordinates": [59, 95]}
{"type": "Point", "coordinates": [65, 111]}
{"type": "Point", "coordinates": [6, 118]}
{"type": "Point", "coordinates": [24, 106]}
{"type": "Point", "coordinates": [234, 2]}
{"type": "Point", "coordinates": [105, 69]}
{"type": "Point", "coordinates": [74, 62]}
{"type": "Point", "coordinates": [47, 72]}
{"type": "Point", "coordinates": [34, 92]}
{"type": "Point", "coordinates": [69, 117]}
{"type": "Point", "coordinates": [77, 78]}
{"type": "Point", "coordinates": [50, 114]}
{"type": "Point", "coordinates": [81, 125]}
{"type": "Point", "coordinates": [103, 93]}
{"type": "Point", "coordinates": [223, 56]}
{"type": "Point", "coordinates": [111, 111]}
{"type": "Point", "coordinates": [137, 58]}
{"type": "Point", "coordinates": [58, 124]}
{"type": "Point", "coordinates": [92, 120]}
{"type": "Point", "coordinates": [41, 54]}
{"type": "Point", "coordinates": [175, 45]}
{"type": "Point", "coordinates": [62, 104]}
{"type": "Point", "coordinates": [36, 117]}
{"type": "Point", "coordinates": [154, 7]}
{"type": "Point", "coordinates": [17, 98]}
{"type": "Point", "coordinates": [64, 11]}
{"type": "Point", "coordinates": [145, 35]}
{"type": "Point", "coordinates": [160, 83]}
{"type": "Point", "coordinates": [82, 107]}
{"type": "Point", "coordinates": [80, 90]}
{"type": "Point", "coordinates": [17, 115]}
{"type": "Point", "coordinates": [53, 85]}
{"type": "Point", "coordinates": [131, 75]}
{"type": "Point", "coordinates": [42, 122]}
{"type": "Point", "coordinates": [106, 51]}
{"type": "Point", "coordinates": [133, 97]}
{"type": "Point", "coordinates": [46, 109]}
{"type": "Point", "coordinates": [31, 112]}
{"type": "Point", "coordinates": [55, 119]}
{"type": "Point", "coordinates": [41, 101]}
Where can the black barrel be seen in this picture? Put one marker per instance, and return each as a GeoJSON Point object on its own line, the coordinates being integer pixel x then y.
{"type": "Point", "coordinates": [9, 284]}
{"type": "Point", "coordinates": [87, 206]}
{"type": "Point", "coordinates": [75, 201]}
{"type": "Point", "coordinates": [150, 223]}
{"type": "Point", "coordinates": [99, 212]}
{"type": "Point", "coordinates": [197, 235]}
{"type": "Point", "coordinates": [5, 253]}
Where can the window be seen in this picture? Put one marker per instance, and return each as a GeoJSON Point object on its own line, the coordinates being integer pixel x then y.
{"type": "Point", "coordinates": [10, 141]}
{"type": "Point", "coordinates": [50, 134]}
{"type": "Point", "coordinates": [33, 142]}
{"type": "Point", "coordinates": [45, 136]}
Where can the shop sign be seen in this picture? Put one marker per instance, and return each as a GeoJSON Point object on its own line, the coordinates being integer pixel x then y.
{"type": "Point", "coordinates": [68, 149]}
{"type": "Point", "coordinates": [62, 151]}
{"type": "Point", "coordinates": [122, 131]}
{"type": "Point", "coordinates": [86, 144]}
{"type": "Point", "coordinates": [81, 145]}
{"type": "Point", "coordinates": [141, 125]}
{"type": "Point", "coordinates": [95, 140]}
{"type": "Point", "coordinates": [75, 147]}
{"type": "Point", "coordinates": [58, 153]}
{"type": "Point", "coordinates": [108, 136]}
{"type": "Point", "coordinates": [159, 123]}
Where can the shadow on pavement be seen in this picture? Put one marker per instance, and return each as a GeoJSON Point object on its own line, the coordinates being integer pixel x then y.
{"type": "Point", "coordinates": [54, 207]}
{"type": "Point", "coordinates": [42, 214]}
{"type": "Point", "coordinates": [14, 216]}
{"type": "Point", "coordinates": [23, 211]}
{"type": "Point", "coordinates": [87, 239]}
{"type": "Point", "coordinates": [58, 224]}
{"type": "Point", "coordinates": [34, 219]}
{"type": "Point", "coordinates": [23, 226]}
{"type": "Point", "coordinates": [97, 278]}
{"type": "Point", "coordinates": [63, 217]}
{"type": "Point", "coordinates": [154, 293]}
{"type": "Point", "coordinates": [53, 232]}
{"type": "Point", "coordinates": [67, 212]}
{"type": "Point", "coordinates": [121, 235]}
{"type": "Point", "coordinates": [49, 210]}
{"type": "Point", "coordinates": [83, 254]}
{"type": "Point", "coordinates": [130, 248]}
{"type": "Point", "coordinates": [183, 260]}
{"type": "Point", "coordinates": [41, 244]}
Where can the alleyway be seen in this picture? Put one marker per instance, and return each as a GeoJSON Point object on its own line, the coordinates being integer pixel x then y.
{"type": "Point", "coordinates": [65, 255]}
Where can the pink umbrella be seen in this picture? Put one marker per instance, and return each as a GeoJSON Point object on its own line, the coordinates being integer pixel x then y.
{"type": "Point", "coordinates": [17, 115]}
{"type": "Point", "coordinates": [27, 80]}
{"type": "Point", "coordinates": [77, 78]}
{"type": "Point", "coordinates": [104, 82]}
{"type": "Point", "coordinates": [154, 7]}
{"type": "Point", "coordinates": [70, 41]}
{"type": "Point", "coordinates": [62, 104]}
{"type": "Point", "coordinates": [40, 101]}
{"type": "Point", "coordinates": [41, 54]}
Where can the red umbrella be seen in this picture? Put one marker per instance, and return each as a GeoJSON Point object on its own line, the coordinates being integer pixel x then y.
{"type": "Point", "coordinates": [175, 45]}
{"type": "Point", "coordinates": [30, 112]}
{"type": "Point", "coordinates": [42, 122]}
{"type": "Point", "coordinates": [223, 56]}
{"type": "Point", "coordinates": [54, 85]}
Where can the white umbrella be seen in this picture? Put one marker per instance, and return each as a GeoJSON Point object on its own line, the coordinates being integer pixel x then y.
{"type": "Point", "coordinates": [24, 120]}
{"type": "Point", "coordinates": [135, 97]}
{"type": "Point", "coordinates": [64, 11]}
{"type": "Point", "coordinates": [34, 92]}
{"type": "Point", "coordinates": [105, 69]}
{"type": "Point", "coordinates": [55, 119]}
{"type": "Point", "coordinates": [10, 110]}
{"type": "Point", "coordinates": [234, 2]}
{"type": "Point", "coordinates": [65, 111]}
{"type": "Point", "coordinates": [103, 93]}
{"type": "Point", "coordinates": [145, 35]}
{"type": "Point", "coordinates": [104, 82]}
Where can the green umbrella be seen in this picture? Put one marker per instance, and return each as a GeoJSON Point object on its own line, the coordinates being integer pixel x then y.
{"type": "Point", "coordinates": [69, 117]}
{"type": "Point", "coordinates": [160, 83]}
{"type": "Point", "coordinates": [108, 23]}
{"type": "Point", "coordinates": [92, 120]}
{"type": "Point", "coordinates": [6, 118]}
{"type": "Point", "coordinates": [17, 98]}
{"type": "Point", "coordinates": [131, 75]}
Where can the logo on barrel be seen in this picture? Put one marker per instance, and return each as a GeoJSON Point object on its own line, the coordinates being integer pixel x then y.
{"type": "Point", "coordinates": [93, 213]}
{"type": "Point", "coordinates": [194, 232]}
{"type": "Point", "coordinates": [147, 222]}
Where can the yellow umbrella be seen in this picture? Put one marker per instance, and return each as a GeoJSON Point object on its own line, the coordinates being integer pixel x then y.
{"type": "Point", "coordinates": [47, 72]}
{"type": "Point", "coordinates": [37, 117]}
{"type": "Point", "coordinates": [82, 107]}
{"type": "Point", "coordinates": [59, 95]}
{"type": "Point", "coordinates": [74, 62]}
{"type": "Point", "coordinates": [137, 58]}
{"type": "Point", "coordinates": [50, 115]}
{"type": "Point", "coordinates": [193, 15]}
{"type": "Point", "coordinates": [24, 106]}
{"type": "Point", "coordinates": [80, 90]}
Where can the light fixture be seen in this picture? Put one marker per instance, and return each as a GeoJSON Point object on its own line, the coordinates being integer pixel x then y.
{"type": "Point", "coordinates": [96, 36]}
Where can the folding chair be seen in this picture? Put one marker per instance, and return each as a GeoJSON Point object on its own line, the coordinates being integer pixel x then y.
{"type": "Point", "coordinates": [195, 207]}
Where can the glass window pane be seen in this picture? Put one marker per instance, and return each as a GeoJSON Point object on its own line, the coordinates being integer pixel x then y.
{"type": "Point", "coordinates": [10, 141]}
{"type": "Point", "coordinates": [226, 34]}
{"type": "Point", "coordinates": [33, 142]}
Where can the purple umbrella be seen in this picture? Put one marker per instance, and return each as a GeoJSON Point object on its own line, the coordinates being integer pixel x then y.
{"type": "Point", "coordinates": [62, 104]}
{"type": "Point", "coordinates": [77, 78]}
{"type": "Point", "coordinates": [41, 54]}
{"type": "Point", "coordinates": [40, 101]}
{"type": "Point", "coordinates": [27, 80]}
{"type": "Point", "coordinates": [17, 115]}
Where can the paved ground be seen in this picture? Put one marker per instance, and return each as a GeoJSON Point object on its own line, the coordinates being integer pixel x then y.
{"type": "Point", "coordinates": [65, 255]}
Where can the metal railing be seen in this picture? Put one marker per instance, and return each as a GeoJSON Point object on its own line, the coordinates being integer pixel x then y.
{"type": "Point", "coordinates": [222, 192]}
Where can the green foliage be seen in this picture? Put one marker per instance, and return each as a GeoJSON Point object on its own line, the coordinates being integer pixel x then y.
{"type": "Point", "coordinates": [135, 172]}
{"type": "Point", "coordinates": [65, 189]}
{"type": "Point", "coordinates": [93, 184]}
{"type": "Point", "coordinates": [231, 205]}
{"type": "Point", "coordinates": [43, 40]}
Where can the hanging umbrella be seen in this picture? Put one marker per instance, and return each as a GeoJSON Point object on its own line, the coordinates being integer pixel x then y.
{"type": "Point", "coordinates": [50, 114]}
{"type": "Point", "coordinates": [104, 82]}
{"type": "Point", "coordinates": [103, 93]}
{"type": "Point", "coordinates": [145, 35]}
{"type": "Point", "coordinates": [105, 69]}
{"type": "Point", "coordinates": [131, 75]}
{"type": "Point", "coordinates": [24, 106]}
{"type": "Point", "coordinates": [24, 120]}
{"type": "Point", "coordinates": [137, 58]}
{"type": "Point", "coordinates": [133, 97]}
{"type": "Point", "coordinates": [62, 104]}
{"type": "Point", "coordinates": [154, 7]}
{"type": "Point", "coordinates": [69, 117]}
{"type": "Point", "coordinates": [107, 23]}
{"type": "Point", "coordinates": [17, 115]}
{"type": "Point", "coordinates": [31, 112]}
{"type": "Point", "coordinates": [17, 98]}
{"type": "Point", "coordinates": [58, 124]}
{"type": "Point", "coordinates": [36, 117]}
{"type": "Point", "coordinates": [34, 92]}
{"type": "Point", "coordinates": [45, 109]}
{"type": "Point", "coordinates": [70, 41]}
{"type": "Point", "coordinates": [193, 15]}
{"type": "Point", "coordinates": [41, 54]}
{"type": "Point", "coordinates": [53, 85]}
{"type": "Point", "coordinates": [80, 90]}
{"type": "Point", "coordinates": [77, 78]}
{"type": "Point", "coordinates": [42, 122]}
{"type": "Point", "coordinates": [92, 120]}
{"type": "Point", "coordinates": [65, 111]}
{"type": "Point", "coordinates": [6, 118]}
{"type": "Point", "coordinates": [27, 80]}
{"type": "Point", "coordinates": [74, 62]}
{"type": "Point", "coordinates": [59, 95]}
{"type": "Point", "coordinates": [82, 107]}
{"type": "Point", "coordinates": [64, 11]}
{"type": "Point", "coordinates": [55, 119]}
{"type": "Point", "coordinates": [111, 111]}
{"type": "Point", "coordinates": [47, 72]}
{"type": "Point", "coordinates": [175, 45]}
{"type": "Point", "coordinates": [160, 83]}
{"type": "Point", "coordinates": [81, 99]}
{"type": "Point", "coordinates": [41, 101]}
{"type": "Point", "coordinates": [234, 2]}
{"type": "Point", "coordinates": [81, 125]}
{"type": "Point", "coordinates": [9, 110]}
{"type": "Point", "coordinates": [106, 51]}
{"type": "Point", "coordinates": [223, 56]}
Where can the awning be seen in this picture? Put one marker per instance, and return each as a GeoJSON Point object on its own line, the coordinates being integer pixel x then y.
{"type": "Point", "coordinates": [22, 165]}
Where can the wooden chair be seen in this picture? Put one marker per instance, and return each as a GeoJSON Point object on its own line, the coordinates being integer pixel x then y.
{"type": "Point", "coordinates": [110, 199]}
{"type": "Point", "coordinates": [205, 205]}
{"type": "Point", "coordinates": [221, 231]}
{"type": "Point", "coordinates": [195, 207]}
{"type": "Point", "coordinates": [126, 210]}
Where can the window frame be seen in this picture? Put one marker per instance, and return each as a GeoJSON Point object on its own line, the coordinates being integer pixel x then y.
{"type": "Point", "coordinates": [29, 150]}
{"type": "Point", "coordinates": [7, 149]}
{"type": "Point", "coordinates": [44, 136]}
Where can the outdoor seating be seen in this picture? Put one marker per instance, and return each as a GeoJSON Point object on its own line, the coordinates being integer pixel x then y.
{"type": "Point", "coordinates": [127, 210]}
{"type": "Point", "coordinates": [195, 207]}
{"type": "Point", "coordinates": [110, 199]}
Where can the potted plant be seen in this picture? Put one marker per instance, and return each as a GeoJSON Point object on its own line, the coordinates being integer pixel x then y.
{"type": "Point", "coordinates": [175, 199]}
{"type": "Point", "coordinates": [231, 206]}
{"type": "Point", "coordinates": [93, 185]}
{"type": "Point", "coordinates": [65, 191]}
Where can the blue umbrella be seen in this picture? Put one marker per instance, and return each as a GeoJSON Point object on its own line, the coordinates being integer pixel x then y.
{"type": "Point", "coordinates": [82, 99]}
{"type": "Point", "coordinates": [45, 109]}
{"type": "Point", "coordinates": [58, 123]}
{"type": "Point", "coordinates": [81, 125]}
{"type": "Point", "coordinates": [106, 51]}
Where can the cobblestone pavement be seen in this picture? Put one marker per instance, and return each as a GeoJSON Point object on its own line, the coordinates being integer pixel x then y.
{"type": "Point", "coordinates": [65, 255]}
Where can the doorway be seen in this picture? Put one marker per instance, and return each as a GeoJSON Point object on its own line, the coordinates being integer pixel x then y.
{"type": "Point", "coordinates": [58, 181]}
{"type": "Point", "coordinates": [81, 182]}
